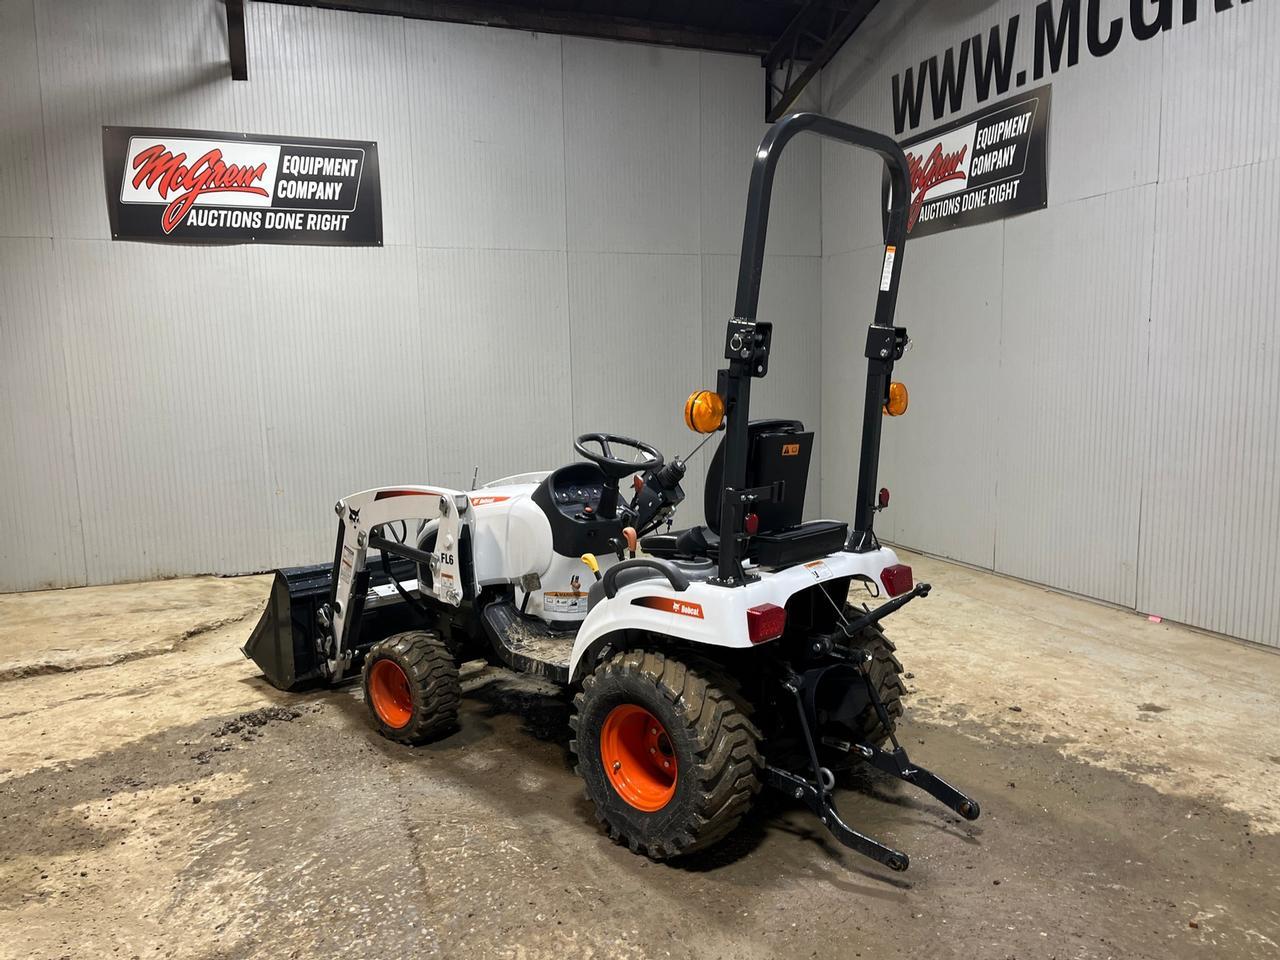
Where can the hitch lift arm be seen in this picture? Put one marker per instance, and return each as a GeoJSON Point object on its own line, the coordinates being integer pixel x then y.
{"type": "Point", "coordinates": [816, 793]}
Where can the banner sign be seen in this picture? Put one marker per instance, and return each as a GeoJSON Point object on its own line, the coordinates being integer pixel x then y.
{"type": "Point", "coordinates": [985, 166]}
{"type": "Point", "coordinates": [195, 186]}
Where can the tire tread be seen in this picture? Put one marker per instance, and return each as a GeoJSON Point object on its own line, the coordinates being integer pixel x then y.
{"type": "Point", "coordinates": [725, 743]}
{"type": "Point", "coordinates": [433, 680]}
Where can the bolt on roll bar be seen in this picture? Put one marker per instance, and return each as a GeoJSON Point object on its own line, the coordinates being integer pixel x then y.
{"type": "Point", "coordinates": [747, 339]}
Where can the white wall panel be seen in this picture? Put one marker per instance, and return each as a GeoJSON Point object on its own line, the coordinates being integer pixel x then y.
{"type": "Point", "coordinates": [1124, 398]}
{"type": "Point", "coordinates": [1109, 107]}
{"type": "Point", "coordinates": [41, 543]}
{"type": "Point", "coordinates": [1220, 80]}
{"type": "Point", "coordinates": [1210, 547]}
{"type": "Point", "coordinates": [1071, 433]}
{"type": "Point", "coordinates": [851, 191]}
{"type": "Point", "coordinates": [488, 137]}
{"type": "Point", "coordinates": [24, 199]}
{"type": "Point", "coordinates": [164, 407]}
{"type": "Point", "coordinates": [941, 469]}
{"type": "Point", "coordinates": [495, 372]}
{"type": "Point", "coordinates": [636, 349]}
{"type": "Point", "coordinates": [334, 354]}
{"type": "Point", "coordinates": [143, 63]}
{"type": "Point", "coordinates": [217, 400]}
{"type": "Point", "coordinates": [324, 73]}
{"type": "Point", "coordinates": [732, 125]}
{"type": "Point", "coordinates": [632, 154]}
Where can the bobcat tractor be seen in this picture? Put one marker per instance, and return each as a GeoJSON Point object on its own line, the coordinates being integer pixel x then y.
{"type": "Point", "coordinates": [704, 663]}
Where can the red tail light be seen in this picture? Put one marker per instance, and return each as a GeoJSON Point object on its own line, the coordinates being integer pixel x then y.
{"type": "Point", "coordinates": [896, 579]}
{"type": "Point", "coordinates": [766, 622]}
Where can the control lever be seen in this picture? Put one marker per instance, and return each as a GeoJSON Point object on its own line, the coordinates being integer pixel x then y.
{"type": "Point", "coordinates": [629, 535]}
{"type": "Point", "coordinates": [694, 451]}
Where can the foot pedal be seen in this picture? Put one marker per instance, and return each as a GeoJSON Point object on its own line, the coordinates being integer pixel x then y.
{"type": "Point", "coordinates": [525, 645]}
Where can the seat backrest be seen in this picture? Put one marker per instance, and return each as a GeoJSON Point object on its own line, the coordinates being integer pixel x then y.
{"type": "Point", "coordinates": [777, 450]}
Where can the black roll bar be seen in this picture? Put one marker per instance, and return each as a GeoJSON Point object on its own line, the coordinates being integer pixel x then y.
{"type": "Point", "coordinates": [747, 339]}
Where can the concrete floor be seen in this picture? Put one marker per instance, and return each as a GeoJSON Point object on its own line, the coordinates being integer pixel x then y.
{"type": "Point", "coordinates": [1127, 772]}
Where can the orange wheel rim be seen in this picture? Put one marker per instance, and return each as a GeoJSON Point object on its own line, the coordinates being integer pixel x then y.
{"type": "Point", "coordinates": [389, 691]}
{"type": "Point", "coordinates": [638, 758]}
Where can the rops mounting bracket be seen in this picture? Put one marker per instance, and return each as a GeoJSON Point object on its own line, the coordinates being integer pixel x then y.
{"type": "Point", "coordinates": [747, 342]}
{"type": "Point", "coordinates": [886, 344]}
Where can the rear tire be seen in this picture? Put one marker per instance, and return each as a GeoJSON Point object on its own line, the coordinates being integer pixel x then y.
{"type": "Point", "coordinates": [886, 676]}
{"type": "Point", "coordinates": [411, 687]}
{"type": "Point", "coordinates": [667, 751]}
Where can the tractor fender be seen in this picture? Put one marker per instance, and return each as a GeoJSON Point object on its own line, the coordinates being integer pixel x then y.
{"type": "Point", "coordinates": [709, 615]}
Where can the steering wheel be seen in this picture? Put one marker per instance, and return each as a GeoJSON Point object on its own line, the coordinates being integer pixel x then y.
{"type": "Point", "coordinates": [615, 468]}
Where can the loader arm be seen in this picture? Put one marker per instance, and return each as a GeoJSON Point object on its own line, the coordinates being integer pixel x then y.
{"type": "Point", "coordinates": [361, 518]}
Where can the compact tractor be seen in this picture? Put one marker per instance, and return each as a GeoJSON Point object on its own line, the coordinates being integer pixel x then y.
{"type": "Point", "coordinates": [704, 663]}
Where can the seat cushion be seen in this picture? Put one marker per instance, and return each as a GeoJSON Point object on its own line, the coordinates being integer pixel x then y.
{"type": "Point", "coordinates": [811, 540]}
{"type": "Point", "coordinates": [695, 542]}
{"type": "Point", "coordinates": [782, 548]}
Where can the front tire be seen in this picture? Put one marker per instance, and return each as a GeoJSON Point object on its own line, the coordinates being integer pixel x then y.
{"type": "Point", "coordinates": [411, 687]}
{"type": "Point", "coordinates": [667, 751]}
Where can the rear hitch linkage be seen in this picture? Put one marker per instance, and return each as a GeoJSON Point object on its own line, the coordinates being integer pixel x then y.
{"type": "Point", "coordinates": [816, 793]}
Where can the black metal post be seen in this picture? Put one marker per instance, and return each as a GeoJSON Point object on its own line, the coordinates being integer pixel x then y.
{"type": "Point", "coordinates": [735, 381]}
{"type": "Point", "coordinates": [235, 40]}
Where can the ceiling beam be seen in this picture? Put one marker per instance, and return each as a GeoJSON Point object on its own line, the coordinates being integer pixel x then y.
{"type": "Point", "coordinates": [818, 31]}
{"type": "Point", "coordinates": [235, 40]}
{"type": "Point", "coordinates": [542, 20]}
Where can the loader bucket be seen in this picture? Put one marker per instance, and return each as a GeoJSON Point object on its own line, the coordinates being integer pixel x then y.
{"type": "Point", "coordinates": [284, 643]}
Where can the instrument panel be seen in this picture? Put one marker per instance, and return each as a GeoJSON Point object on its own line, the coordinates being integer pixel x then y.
{"type": "Point", "coordinates": [579, 495]}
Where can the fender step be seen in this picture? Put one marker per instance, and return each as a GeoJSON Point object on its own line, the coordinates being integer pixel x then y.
{"type": "Point", "coordinates": [528, 646]}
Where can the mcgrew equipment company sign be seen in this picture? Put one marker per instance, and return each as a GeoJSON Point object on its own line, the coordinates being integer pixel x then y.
{"type": "Point", "coordinates": [985, 166]}
{"type": "Point", "coordinates": [194, 186]}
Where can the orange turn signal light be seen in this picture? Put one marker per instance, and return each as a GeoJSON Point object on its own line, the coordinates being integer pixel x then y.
{"type": "Point", "coordinates": [704, 411]}
{"type": "Point", "coordinates": [897, 404]}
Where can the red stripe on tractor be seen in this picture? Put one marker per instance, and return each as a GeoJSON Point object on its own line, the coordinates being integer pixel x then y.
{"type": "Point", "coordinates": [388, 494]}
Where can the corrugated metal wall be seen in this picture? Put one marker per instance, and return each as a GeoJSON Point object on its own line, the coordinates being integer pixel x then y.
{"type": "Point", "coordinates": [1095, 388]}
{"type": "Point", "coordinates": [561, 220]}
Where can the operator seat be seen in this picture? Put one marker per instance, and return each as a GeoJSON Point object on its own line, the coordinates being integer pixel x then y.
{"type": "Point", "coordinates": [778, 450]}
